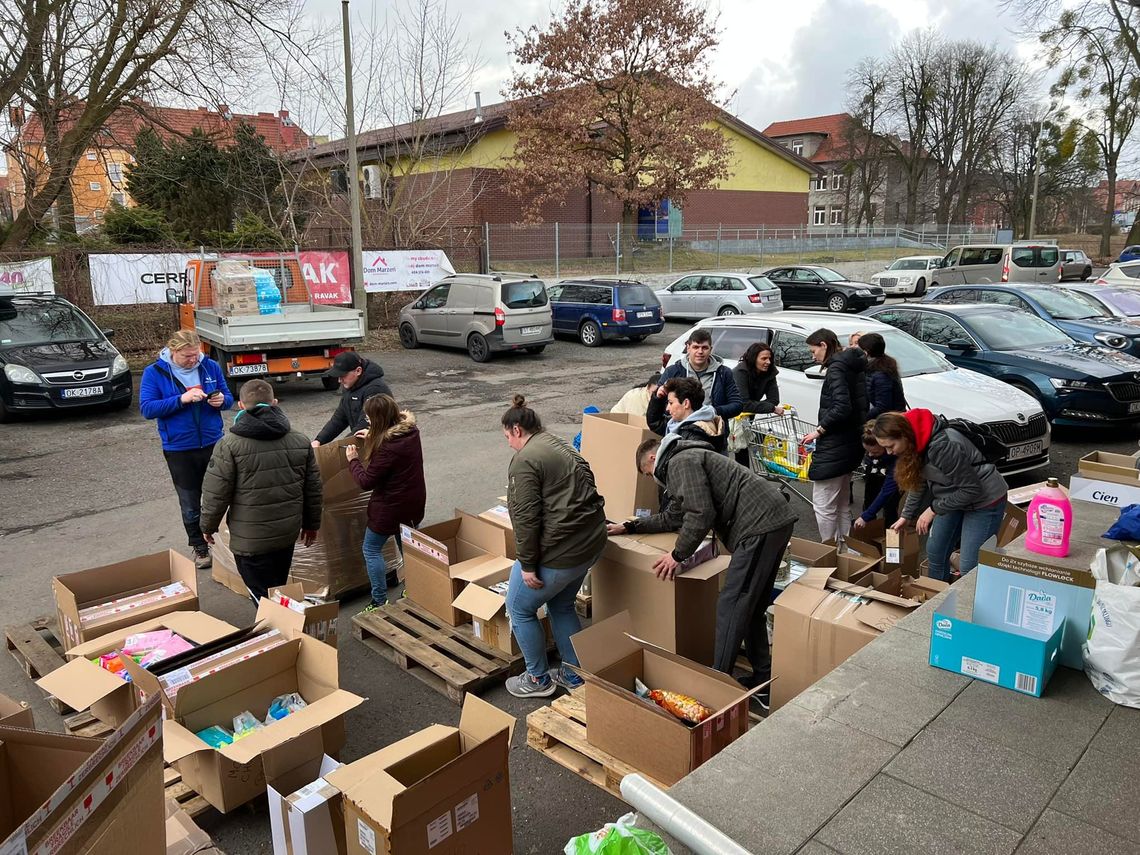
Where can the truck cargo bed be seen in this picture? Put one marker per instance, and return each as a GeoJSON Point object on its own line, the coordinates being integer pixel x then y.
{"type": "Point", "coordinates": [295, 325]}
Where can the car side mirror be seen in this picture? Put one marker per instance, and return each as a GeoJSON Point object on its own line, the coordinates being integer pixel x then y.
{"type": "Point", "coordinates": [108, 333]}
{"type": "Point", "coordinates": [960, 344]}
{"type": "Point", "coordinates": [173, 295]}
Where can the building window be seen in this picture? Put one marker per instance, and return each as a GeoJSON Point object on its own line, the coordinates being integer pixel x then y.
{"type": "Point", "coordinates": [836, 216]}
{"type": "Point", "coordinates": [797, 146]}
{"type": "Point", "coordinates": [820, 216]}
{"type": "Point", "coordinates": [99, 215]}
{"type": "Point", "coordinates": [119, 199]}
{"type": "Point", "coordinates": [94, 185]}
{"type": "Point", "coordinates": [819, 182]}
{"type": "Point", "coordinates": [837, 181]}
{"type": "Point", "coordinates": [115, 173]}
{"type": "Point", "coordinates": [91, 155]}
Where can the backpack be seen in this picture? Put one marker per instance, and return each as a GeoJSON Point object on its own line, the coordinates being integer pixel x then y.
{"type": "Point", "coordinates": [982, 436]}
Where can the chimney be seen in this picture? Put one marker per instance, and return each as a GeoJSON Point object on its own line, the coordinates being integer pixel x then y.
{"type": "Point", "coordinates": [478, 108]}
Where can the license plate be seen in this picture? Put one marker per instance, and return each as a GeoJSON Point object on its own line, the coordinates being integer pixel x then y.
{"type": "Point", "coordinates": [246, 370]}
{"type": "Point", "coordinates": [645, 314]}
{"type": "Point", "coordinates": [83, 392]}
{"type": "Point", "coordinates": [1026, 449]}
{"type": "Point", "coordinates": [1134, 407]}
{"type": "Point", "coordinates": [532, 330]}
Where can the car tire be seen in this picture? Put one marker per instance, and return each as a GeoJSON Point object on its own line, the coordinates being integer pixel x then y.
{"type": "Point", "coordinates": [728, 312]}
{"type": "Point", "coordinates": [837, 303]}
{"type": "Point", "coordinates": [1086, 275]}
{"type": "Point", "coordinates": [408, 338]}
{"type": "Point", "coordinates": [478, 348]}
{"type": "Point", "coordinates": [536, 349]}
{"type": "Point", "coordinates": [590, 334]}
{"type": "Point", "coordinates": [330, 383]}
{"type": "Point", "coordinates": [920, 288]}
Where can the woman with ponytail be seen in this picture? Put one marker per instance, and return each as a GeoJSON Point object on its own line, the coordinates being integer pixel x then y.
{"type": "Point", "coordinates": [944, 472]}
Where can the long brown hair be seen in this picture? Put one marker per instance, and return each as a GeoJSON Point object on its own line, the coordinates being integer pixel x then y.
{"type": "Point", "coordinates": [908, 468]}
{"type": "Point", "coordinates": [383, 414]}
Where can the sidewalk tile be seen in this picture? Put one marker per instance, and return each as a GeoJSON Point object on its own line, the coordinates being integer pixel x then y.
{"type": "Point", "coordinates": [904, 658]}
{"type": "Point", "coordinates": [1120, 733]}
{"type": "Point", "coordinates": [1104, 790]}
{"type": "Point", "coordinates": [1058, 834]}
{"type": "Point", "coordinates": [813, 847]}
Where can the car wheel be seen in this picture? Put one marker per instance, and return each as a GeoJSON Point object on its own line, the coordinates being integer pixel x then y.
{"type": "Point", "coordinates": [478, 348]}
{"type": "Point", "coordinates": [538, 348]}
{"type": "Point", "coordinates": [1087, 274]}
{"type": "Point", "coordinates": [837, 303]}
{"type": "Point", "coordinates": [920, 288]}
{"type": "Point", "coordinates": [408, 337]}
{"type": "Point", "coordinates": [589, 334]}
{"type": "Point", "coordinates": [728, 311]}
{"type": "Point", "coordinates": [330, 383]}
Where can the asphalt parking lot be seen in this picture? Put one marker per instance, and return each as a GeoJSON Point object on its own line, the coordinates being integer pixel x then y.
{"type": "Point", "coordinates": [89, 489]}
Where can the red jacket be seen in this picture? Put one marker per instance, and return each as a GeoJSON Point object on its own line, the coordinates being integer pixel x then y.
{"type": "Point", "coordinates": [395, 475]}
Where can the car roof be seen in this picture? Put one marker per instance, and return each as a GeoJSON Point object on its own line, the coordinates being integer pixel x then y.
{"type": "Point", "coordinates": [910, 257]}
{"type": "Point", "coordinates": [954, 308]}
{"type": "Point", "coordinates": [1005, 286]}
{"type": "Point", "coordinates": [799, 321]}
{"type": "Point", "coordinates": [718, 273]}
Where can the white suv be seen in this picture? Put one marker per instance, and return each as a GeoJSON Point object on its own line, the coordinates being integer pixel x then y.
{"type": "Point", "coordinates": [929, 380]}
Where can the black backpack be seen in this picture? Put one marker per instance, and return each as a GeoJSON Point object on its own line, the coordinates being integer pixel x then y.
{"type": "Point", "coordinates": [982, 436]}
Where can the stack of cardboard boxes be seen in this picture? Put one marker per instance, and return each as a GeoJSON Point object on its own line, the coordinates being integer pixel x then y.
{"type": "Point", "coordinates": [235, 290]}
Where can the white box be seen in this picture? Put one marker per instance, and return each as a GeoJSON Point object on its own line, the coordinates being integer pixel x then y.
{"type": "Point", "coordinates": [308, 820]}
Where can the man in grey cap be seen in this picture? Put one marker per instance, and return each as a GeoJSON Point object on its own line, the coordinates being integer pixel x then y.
{"type": "Point", "coordinates": [360, 379]}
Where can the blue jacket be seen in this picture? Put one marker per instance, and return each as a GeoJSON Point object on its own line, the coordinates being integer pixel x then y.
{"type": "Point", "coordinates": [725, 397]}
{"type": "Point", "coordinates": [884, 394]}
{"type": "Point", "coordinates": [183, 427]}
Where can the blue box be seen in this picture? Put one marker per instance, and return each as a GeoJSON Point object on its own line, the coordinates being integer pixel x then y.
{"type": "Point", "coordinates": [1019, 660]}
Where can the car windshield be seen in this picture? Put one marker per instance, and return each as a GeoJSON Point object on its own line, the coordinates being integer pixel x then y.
{"type": "Point", "coordinates": [1069, 305]}
{"type": "Point", "coordinates": [912, 355]}
{"type": "Point", "coordinates": [829, 275]}
{"type": "Point", "coordinates": [1125, 300]}
{"type": "Point", "coordinates": [27, 322]}
{"type": "Point", "coordinates": [909, 264]}
{"type": "Point", "coordinates": [1015, 330]}
{"type": "Point", "coordinates": [524, 295]}
{"type": "Point", "coordinates": [762, 283]}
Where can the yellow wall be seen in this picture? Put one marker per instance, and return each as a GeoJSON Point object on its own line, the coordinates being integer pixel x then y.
{"type": "Point", "coordinates": [488, 152]}
{"type": "Point", "coordinates": [756, 168]}
{"type": "Point", "coordinates": [87, 201]}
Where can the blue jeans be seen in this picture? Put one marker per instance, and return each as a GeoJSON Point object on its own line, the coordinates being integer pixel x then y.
{"type": "Point", "coordinates": [559, 588]}
{"type": "Point", "coordinates": [375, 564]}
{"type": "Point", "coordinates": [973, 528]}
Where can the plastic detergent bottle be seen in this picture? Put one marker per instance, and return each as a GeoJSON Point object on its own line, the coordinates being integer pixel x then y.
{"type": "Point", "coordinates": [1049, 521]}
{"type": "Point", "coordinates": [268, 294]}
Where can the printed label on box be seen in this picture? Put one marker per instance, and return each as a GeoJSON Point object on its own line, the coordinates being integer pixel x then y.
{"type": "Point", "coordinates": [438, 830]}
{"type": "Point", "coordinates": [1032, 610]}
{"type": "Point", "coordinates": [894, 555]}
{"type": "Point", "coordinates": [18, 845]}
{"type": "Point", "coordinates": [1025, 683]}
{"type": "Point", "coordinates": [367, 837]}
{"type": "Point", "coordinates": [981, 670]}
{"type": "Point", "coordinates": [466, 812]}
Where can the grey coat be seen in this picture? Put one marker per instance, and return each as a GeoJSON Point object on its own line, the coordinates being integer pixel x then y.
{"type": "Point", "coordinates": [957, 477]}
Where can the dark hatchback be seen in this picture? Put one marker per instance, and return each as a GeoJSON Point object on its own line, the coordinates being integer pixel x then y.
{"type": "Point", "coordinates": [812, 285]}
{"type": "Point", "coordinates": [1076, 383]}
{"type": "Point", "coordinates": [53, 356]}
{"type": "Point", "coordinates": [598, 309]}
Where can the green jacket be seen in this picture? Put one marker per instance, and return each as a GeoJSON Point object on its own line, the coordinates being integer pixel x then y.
{"type": "Point", "coordinates": [263, 478]}
{"type": "Point", "coordinates": [557, 514]}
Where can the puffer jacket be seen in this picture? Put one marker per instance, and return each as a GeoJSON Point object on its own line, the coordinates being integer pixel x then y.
{"type": "Point", "coordinates": [395, 475]}
{"type": "Point", "coordinates": [956, 475]}
{"type": "Point", "coordinates": [349, 413]}
{"type": "Point", "coordinates": [842, 413]}
{"type": "Point", "coordinates": [884, 394]}
{"type": "Point", "coordinates": [263, 478]}
{"type": "Point", "coordinates": [759, 393]}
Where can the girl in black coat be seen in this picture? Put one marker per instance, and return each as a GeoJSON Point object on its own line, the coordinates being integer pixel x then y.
{"type": "Point", "coordinates": [755, 377]}
{"type": "Point", "coordinates": [839, 437]}
{"type": "Point", "coordinates": [884, 385]}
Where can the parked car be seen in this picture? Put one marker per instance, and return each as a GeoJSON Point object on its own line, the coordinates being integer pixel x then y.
{"type": "Point", "coordinates": [1075, 383]}
{"type": "Point", "coordinates": [907, 276]}
{"type": "Point", "coordinates": [702, 295]}
{"type": "Point", "coordinates": [811, 285]}
{"type": "Point", "coordinates": [1129, 253]}
{"type": "Point", "coordinates": [1075, 264]}
{"type": "Point", "coordinates": [985, 263]}
{"type": "Point", "coordinates": [929, 380]}
{"type": "Point", "coordinates": [1120, 273]}
{"type": "Point", "coordinates": [1065, 308]}
{"type": "Point", "coordinates": [54, 357]}
{"type": "Point", "coordinates": [1120, 301]}
{"type": "Point", "coordinates": [483, 313]}
{"type": "Point", "coordinates": [599, 309]}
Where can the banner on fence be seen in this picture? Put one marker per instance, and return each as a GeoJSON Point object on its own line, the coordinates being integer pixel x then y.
{"type": "Point", "coordinates": [404, 270]}
{"type": "Point", "coordinates": [31, 276]}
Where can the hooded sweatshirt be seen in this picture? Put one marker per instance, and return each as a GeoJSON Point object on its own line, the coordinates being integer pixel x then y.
{"type": "Point", "coordinates": [716, 380]}
{"type": "Point", "coordinates": [188, 377]}
{"type": "Point", "coordinates": [956, 475]}
{"type": "Point", "coordinates": [702, 425]}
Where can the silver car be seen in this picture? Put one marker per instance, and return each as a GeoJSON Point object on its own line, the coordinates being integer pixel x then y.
{"type": "Point", "coordinates": [1075, 264]}
{"type": "Point", "coordinates": [907, 276]}
{"type": "Point", "coordinates": [991, 264]}
{"type": "Point", "coordinates": [703, 295]}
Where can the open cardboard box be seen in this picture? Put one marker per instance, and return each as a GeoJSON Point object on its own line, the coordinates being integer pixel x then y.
{"type": "Point", "coordinates": [71, 794]}
{"type": "Point", "coordinates": [183, 836]}
{"type": "Point", "coordinates": [1107, 479]}
{"type": "Point", "coordinates": [609, 443]}
{"type": "Point", "coordinates": [15, 713]}
{"type": "Point", "coordinates": [166, 578]}
{"type": "Point", "coordinates": [305, 816]}
{"type": "Point", "coordinates": [443, 790]}
{"type": "Point", "coordinates": [490, 622]}
{"type": "Point", "coordinates": [82, 683]}
{"type": "Point", "coordinates": [318, 619]}
{"type": "Point", "coordinates": [439, 558]}
{"type": "Point", "coordinates": [637, 731]}
{"type": "Point", "coordinates": [679, 616]}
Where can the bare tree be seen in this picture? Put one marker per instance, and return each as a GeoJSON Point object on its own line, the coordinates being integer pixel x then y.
{"type": "Point", "coordinates": [911, 70]}
{"type": "Point", "coordinates": [862, 146]}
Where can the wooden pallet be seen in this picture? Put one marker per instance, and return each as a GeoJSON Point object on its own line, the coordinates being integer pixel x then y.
{"type": "Point", "coordinates": [178, 792]}
{"type": "Point", "coordinates": [582, 604]}
{"type": "Point", "coordinates": [559, 732]}
{"type": "Point", "coordinates": [450, 659]}
{"type": "Point", "coordinates": [37, 648]}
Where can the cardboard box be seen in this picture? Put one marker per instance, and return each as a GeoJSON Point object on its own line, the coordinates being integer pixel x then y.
{"type": "Point", "coordinates": [1107, 479]}
{"type": "Point", "coordinates": [679, 616]}
{"type": "Point", "coordinates": [609, 442]}
{"type": "Point", "coordinates": [636, 730]}
{"type": "Point", "coordinates": [849, 567]}
{"type": "Point", "coordinates": [233, 774]}
{"type": "Point", "coordinates": [15, 713]}
{"type": "Point", "coordinates": [1008, 656]}
{"type": "Point", "coordinates": [94, 602]}
{"type": "Point", "coordinates": [820, 621]}
{"type": "Point", "coordinates": [74, 794]}
{"type": "Point", "coordinates": [443, 790]}
{"type": "Point", "coordinates": [500, 515]}
{"type": "Point", "coordinates": [318, 618]}
{"type": "Point", "coordinates": [440, 559]}
{"type": "Point", "coordinates": [305, 816]}
{"type": "Point", "coordinates": [183, 836]}
{"type": "Point", "coordinates": [902, 550]}
{"type": "Point", "coordinates": [81, 683]}
{"type": "Point", "coordinates": [922, 588]}
{"type": "Point", "coordinates": [490, 622]}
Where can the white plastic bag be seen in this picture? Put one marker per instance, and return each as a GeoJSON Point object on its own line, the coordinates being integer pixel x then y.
{"type": "Point", "coordinates": [1112, 649]}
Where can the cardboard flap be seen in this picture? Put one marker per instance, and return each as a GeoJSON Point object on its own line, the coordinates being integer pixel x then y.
{"type": "Point", "coordinates": [195, 627]}
{"type": "Point", "coordinates": [705, 570]}
{"type": "Point", "coordinates": [289, 623]}
{"type": "Point", "coordinates": [816, 577]}
{"type": "Point", "coordinates": [478, 602]}
{"type": "Point", "coordinates": [244, 672]}
{"type": "Point", "coordinates": [867, 593]}
{"type": "Point", "coordinates": [880, 616]}
{"type": "Point", "coordinates": [605, 642]}
{"type": "Point", "coordinates": [482, 720]}
{"type": "Point", "coordinates": [339, 485]}
{"type": "Point", "coordinates": [348, 778]}
{"type": "Point", "coordinates": [375, 796]}
{"type": "Point", "coordinates": [178, 742]}
{"type": "Point", "coordinates": [279, 760]}
{"type": "Point", "coordinates": [79, 684]}
{"type": "Point", "coordinates": [315, 714]}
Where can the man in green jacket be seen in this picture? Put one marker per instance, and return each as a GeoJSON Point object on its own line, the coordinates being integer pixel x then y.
{"type": "Point", "coordinates": [263, 478]}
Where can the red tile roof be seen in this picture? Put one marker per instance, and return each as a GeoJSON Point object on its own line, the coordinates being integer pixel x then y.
{"type": "Point", "coordinates": [831, 127]}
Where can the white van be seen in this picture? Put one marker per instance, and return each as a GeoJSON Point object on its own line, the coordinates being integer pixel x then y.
{"type": "Point", "coordinates": [991, 263]}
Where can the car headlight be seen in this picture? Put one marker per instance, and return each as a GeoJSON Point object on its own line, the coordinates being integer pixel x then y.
{"type": "Point", "coordinates": [1069, 384]}
{"type": "Point", "coordinates": [906, 280]}
{"type": "Point", "coordinates": [20, 374]}
{"type": "Point", "coordinates": [1114, 340]}
{"type": "Point", "coordinates": [864, 292]}
{"type": "Point", "coordinates": [119, 366]}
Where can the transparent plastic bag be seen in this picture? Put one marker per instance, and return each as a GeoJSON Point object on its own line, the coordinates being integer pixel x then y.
{"type": "Point", "coordinates": [618, 838]}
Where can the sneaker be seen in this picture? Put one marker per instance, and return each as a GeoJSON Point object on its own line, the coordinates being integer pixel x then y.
{"type": "Point", "coordinates": [565, 678]}
{"type": "Point", "coordinates": [763, 701]}
{"type": "Point", "coordinates": [371, 607]}
{"type": "Point", "coordinates": [202, 559]}
{"type": "Point", "coordinates": [526, 686]}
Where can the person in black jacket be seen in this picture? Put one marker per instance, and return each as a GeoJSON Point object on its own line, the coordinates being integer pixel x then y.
{"type": "Point", "coordinates": [839, 437]}
{"type": "Point", "coordinates": [755, 377]}
{"type": "Point", "coordinates": [360, 379]}
{"type": "Point", "coordinates": [884, 385]}
{"type": "Point", "coordinates": [714, 376]}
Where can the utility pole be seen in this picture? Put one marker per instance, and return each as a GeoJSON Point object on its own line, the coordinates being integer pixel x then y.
{"type": "Point", "coordinates": [356, 253]}
{"type": "Point", "coordinates": [1037, 172]}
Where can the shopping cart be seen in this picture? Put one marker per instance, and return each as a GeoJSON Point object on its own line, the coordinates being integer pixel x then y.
{"type": "Point", "coordinates": [777, 451]}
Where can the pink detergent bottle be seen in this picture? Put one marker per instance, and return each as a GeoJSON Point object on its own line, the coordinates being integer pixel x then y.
{"type": "Point", "coordinates": [1049, 521]}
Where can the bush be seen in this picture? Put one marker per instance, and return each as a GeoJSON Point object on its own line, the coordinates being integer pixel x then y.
{"type": "Point", "coordinates": [249, 232]}
{"type": "Point", "coordinates": [138, 225]}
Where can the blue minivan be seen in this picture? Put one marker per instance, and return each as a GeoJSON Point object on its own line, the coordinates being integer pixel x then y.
{"type": "Point", "coordinates": [598, 309]}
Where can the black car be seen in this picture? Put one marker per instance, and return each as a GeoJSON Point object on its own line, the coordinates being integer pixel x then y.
{"type": "Point", "coordinates": [54, 357]}
{"type": "Point", "coordinates": [1076, 383]}
{"type": "Point", "coordinates": [811, 285]}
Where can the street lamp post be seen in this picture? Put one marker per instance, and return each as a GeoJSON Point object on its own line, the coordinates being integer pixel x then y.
{"type": "Point", "coordinates": [359, 296]}
{"type": "Point", "coordinates": [1037, 172]}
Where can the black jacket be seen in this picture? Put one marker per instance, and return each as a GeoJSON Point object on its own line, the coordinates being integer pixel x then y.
{"type": "Point", "coordinates": [349, 413]}
{"type": "Point", "coordinates": [725, 398]}
{"type": "Point", "coordinates": [842, 413]}
{"type": "Point", "coordinates": [759, 393]}
{"type": "Point", "coordinates": [884, 394]}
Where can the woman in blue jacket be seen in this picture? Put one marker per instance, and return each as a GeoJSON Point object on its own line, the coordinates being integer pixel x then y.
{"type": "Point", "coordinates": [186, 391]}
